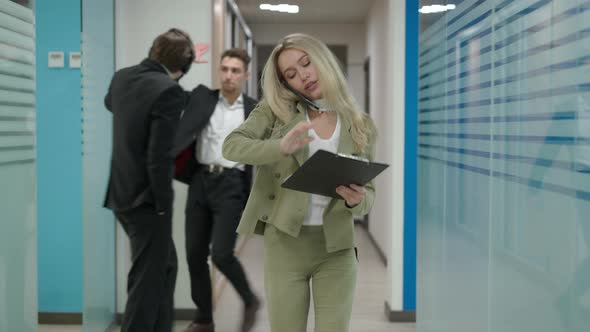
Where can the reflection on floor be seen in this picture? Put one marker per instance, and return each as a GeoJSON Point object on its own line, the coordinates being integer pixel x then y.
{"type": "Point", "coordinates": [368, 312]}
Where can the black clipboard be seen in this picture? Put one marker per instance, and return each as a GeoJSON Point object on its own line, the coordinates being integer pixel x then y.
{"type": "Point", "coordinates": [324, 171]}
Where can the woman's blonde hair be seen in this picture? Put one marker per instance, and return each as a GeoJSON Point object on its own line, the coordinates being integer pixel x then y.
{"type": "Point", "coordinates": [333, 84]}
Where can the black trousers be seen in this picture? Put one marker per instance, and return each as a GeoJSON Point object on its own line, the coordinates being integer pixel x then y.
{"type": "Point", "coordinates": [214, 206]}
{"type": "Point", "coordinates": [152, 278]}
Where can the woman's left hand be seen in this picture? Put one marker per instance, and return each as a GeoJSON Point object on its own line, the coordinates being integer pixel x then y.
{"type": "Point", "coordinates": [352, 194]}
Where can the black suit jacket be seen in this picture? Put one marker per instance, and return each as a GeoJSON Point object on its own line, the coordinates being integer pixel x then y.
{"type": "Point", "coordinates": [202, 103]}
{"type": "Point", "coordinates": [146, 105]}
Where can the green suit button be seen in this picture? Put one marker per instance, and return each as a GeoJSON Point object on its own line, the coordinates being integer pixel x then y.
{"type": "Point", "coordinates": [277, 175]}
{"type": "Point", "coordinates": [271, 197]}
{"type": "Point", "coordinates": [265, 218]}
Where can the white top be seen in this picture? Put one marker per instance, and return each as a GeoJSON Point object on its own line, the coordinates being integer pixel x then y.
{"type": "Point", "coordinates": [318, 203]}
{"type": "Point", "coordinates": [225, 118]}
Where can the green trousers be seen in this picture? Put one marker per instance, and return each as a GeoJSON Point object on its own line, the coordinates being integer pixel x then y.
{"type": "Point", "coordinates": [297, 268]}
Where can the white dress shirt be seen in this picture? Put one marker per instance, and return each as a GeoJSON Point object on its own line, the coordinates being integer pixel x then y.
{"type": "Point", "coordinates": [225, 118]}
{"type": "Point", "coordinates": [318, 203]}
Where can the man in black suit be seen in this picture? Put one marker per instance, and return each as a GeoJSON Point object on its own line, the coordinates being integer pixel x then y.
{"type": "Point", "coordinates": [146, 102]}
{"type": "Point", "coordinates": [218, 188]}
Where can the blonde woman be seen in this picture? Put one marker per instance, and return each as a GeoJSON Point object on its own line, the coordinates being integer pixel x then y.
{"type": "Point", "coordinates": [309, 239]}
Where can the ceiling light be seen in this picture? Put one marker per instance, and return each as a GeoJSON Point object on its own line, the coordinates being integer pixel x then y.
{"type": "Point", "coordinates": [436, 9]}
{"type": "Point", "coordinates": [283, 8]}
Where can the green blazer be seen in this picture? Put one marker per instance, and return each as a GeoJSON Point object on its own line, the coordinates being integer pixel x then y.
{"type": "Point", "coordinates": [256, 142]}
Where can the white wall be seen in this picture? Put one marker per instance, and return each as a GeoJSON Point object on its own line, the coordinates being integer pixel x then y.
{"type": "Point", "coordinates": [377, 49]}
{"type": "Point", "coordinates": [386, 48]}
{"type": "Point", "coordinates": [138, 22]}
{"type": "Point", "coordinates": [352, 35]}
{"type": "Point", "coordinates": [397, 47]}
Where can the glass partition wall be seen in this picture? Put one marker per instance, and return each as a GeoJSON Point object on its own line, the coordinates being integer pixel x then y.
{"type": "Point", "coordinates": [18, 167]}
{"type": "Point", "coordinates": [504, 167]}
{"type": "Point", "coordinates": [98, 223]}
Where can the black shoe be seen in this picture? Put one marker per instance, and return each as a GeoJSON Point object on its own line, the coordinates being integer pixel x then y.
{"type": "Point", "coordinates": [250, 313]}
{"type": "Point", "coordinates": [198, 327]}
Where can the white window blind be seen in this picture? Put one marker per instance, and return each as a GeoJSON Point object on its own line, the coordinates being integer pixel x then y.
{"type": "Point", "coordinates": [17, 84]}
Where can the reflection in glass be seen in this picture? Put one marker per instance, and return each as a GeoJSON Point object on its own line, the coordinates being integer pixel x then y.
{"type": "Point", "coordinates": [18, 179]}
{"type": "Point", "coordinates": [99, 224]}
{"type": "Point", "coordinates": [504, 167]}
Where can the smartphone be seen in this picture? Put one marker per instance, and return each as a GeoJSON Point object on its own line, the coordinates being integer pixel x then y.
{"type": "Point", "coordinates": [306, 100]}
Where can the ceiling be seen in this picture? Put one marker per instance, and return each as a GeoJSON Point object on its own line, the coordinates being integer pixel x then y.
{"type": "Point", "coordinates": [427, 20]}
{"type": "Point", "coordinates": [324, 11]}
{"type": "Point", "coordinates": [310, 11]}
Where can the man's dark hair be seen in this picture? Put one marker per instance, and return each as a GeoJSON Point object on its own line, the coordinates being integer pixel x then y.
{"type": "Point", "coordinates": [174, 49]}
{"type": "Point", "coordinates": [238, 53]}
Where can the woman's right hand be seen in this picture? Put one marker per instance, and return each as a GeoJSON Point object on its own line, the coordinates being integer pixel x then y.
{"type": "Point", "coordinates": [296, 138]}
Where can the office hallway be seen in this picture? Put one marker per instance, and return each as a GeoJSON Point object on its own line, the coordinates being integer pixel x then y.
{"type": "Point", "coordinates": [368, 312]}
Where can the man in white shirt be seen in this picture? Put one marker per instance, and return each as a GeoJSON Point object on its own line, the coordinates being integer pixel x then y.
{"type": "Point", "coordinates": [218, 188]}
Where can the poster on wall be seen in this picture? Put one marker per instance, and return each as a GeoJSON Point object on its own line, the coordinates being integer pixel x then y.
{"type": "Point", "coordinates": [200, 50]}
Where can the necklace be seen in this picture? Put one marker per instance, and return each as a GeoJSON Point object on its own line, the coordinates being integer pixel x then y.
{"type": "Point", "coordinates": [314, 114]}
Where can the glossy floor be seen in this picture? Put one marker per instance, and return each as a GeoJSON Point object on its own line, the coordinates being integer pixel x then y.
{"type": "Point", "coordinates": [368, 313]}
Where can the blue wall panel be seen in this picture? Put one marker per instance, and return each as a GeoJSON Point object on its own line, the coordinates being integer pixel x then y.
{"type": "Point", "coordinates": [410, 155]}
{"type": "Point", "coordinates": [59, 150]}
